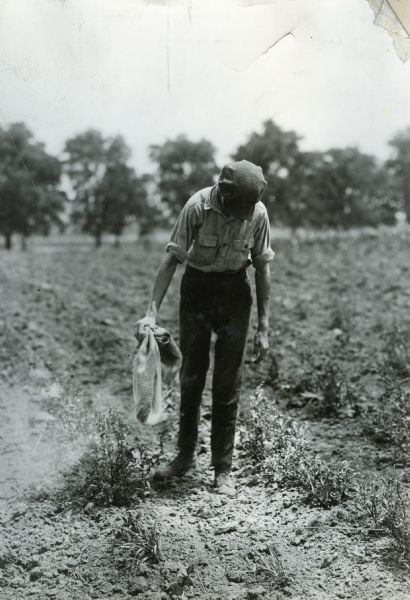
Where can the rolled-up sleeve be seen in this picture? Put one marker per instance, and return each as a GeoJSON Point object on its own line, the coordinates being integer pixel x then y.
{"type": "Point", "coordinates": [262, 253]}
{"type": "Point", "coordinates": [183, 232]}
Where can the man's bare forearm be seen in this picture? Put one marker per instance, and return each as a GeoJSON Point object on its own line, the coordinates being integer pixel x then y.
{"type": "Point", "coordinates": [163, 278]}
{"type": "Point", "coordinates": [262, 283]}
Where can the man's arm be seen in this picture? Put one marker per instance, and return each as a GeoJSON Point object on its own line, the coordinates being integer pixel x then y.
{"type": "Point", "coordinates": [177, 252]}
{"type": "Point", "coordinates": [163, 278]}
{"type": "Point", "coordinates": [262, 283]}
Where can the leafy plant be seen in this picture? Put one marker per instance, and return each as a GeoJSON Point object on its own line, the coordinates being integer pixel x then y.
{"type": "Point", "coordinates": [274, 567]}
{"type": "Point", "coordinates": [326, 484]}
{"type": "Point", "coordinates": [387, 505]}
{"type": "Point", "coordinates": [253, 444]}
{"type": "Point", "coordinates": [136, 542]}
{"type": "Point", "coordinates": [331, 384]}
{"type": "Point", "coordinates": [285, 452]}
{"type": "Point", "coordinates": [145, 461]}
{"type": "Point", "coordinates": [389, 422]}
{"type": "Point", "coordinates": [397, 351]}
{"type": "Point", "coordinates": [274, 442]}
{"type": "Point", "coordinates": [369, 499]}
{"type": "Point", "coordinates": [110, 472]}
{"type": "Point", "coordinates": [280, 448]}
{"type": "Point", "coordinates": [397, 518]}
{"type": "Point", "coordinates": [325, 384]}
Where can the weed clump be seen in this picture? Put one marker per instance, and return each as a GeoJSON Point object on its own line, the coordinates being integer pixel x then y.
{"type": "Point", "coordinates": [254, 443]}
{"type": "Point", "coordinates": [328, 391]}
{"type": "Point", "coordinates": [110, 473]}
{"type": "Point", "coordinates": [326, 484]}
{"type": "Point", "coordinates": [286, 450]}
{"type": "Point", "coordinates": [389, 422]}
{"type": "Point", "coordinates": [136, 542]}
{"type": "Point", "coordinates": [387, 505]}
{"type": "Point", "coordinates": [332, 387]}
{"type": "Point", "coordinates": [279, 449]}
{"type": "Point", "coordinates": [397, 351]}
{"type": "Point", "coordinates": [274, 567]}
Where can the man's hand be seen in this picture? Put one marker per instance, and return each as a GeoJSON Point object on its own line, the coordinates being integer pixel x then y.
{"type": "Point", "coordinates": [140, 326]}
{"type": "Point", "coordinates": [260, 346]}
{"type": "Point", "coordinates": [162, 280]}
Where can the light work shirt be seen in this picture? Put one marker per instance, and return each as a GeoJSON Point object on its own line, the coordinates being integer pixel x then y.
{"type": "Point", "coordinates": [211, 241]}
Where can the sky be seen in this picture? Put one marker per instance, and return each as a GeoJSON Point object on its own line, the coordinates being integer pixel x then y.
{"type": "Point", "coordinates": [153, 69]}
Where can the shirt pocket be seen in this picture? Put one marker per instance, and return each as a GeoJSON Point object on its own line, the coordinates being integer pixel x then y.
{"type": "Point", "coordinates": [204, 249]}
{"type": "Point", "coordinates": [238, 253]}
{"type": "Point", "coordinates": [241, 247]}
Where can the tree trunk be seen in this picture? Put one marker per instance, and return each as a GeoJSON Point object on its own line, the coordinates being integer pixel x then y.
{"type": "Point", "coordinates": [7, 241]}
{"type": "Point", "coordinates": [23, 242]}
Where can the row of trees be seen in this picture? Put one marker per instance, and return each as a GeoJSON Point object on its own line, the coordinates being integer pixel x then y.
{"type": "Point", "coordinates": [93, 187]}
{"type": "Point", "coordinates": [336, 188]}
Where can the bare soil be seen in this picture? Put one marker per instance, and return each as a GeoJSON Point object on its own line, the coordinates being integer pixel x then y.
{"type": "Point", "coordinates": [66, 352]}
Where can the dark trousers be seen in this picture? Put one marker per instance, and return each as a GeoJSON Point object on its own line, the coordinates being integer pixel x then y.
{"type": "Point", "coordinates": [218, 302]}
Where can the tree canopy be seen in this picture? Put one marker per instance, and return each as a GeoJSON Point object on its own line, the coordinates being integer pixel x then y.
{"type": "Point", "coordinates": [277, 152]}
{"type": "Point", "coordinates": [30, 200]}
{"type": "Point", "coordinates": [183, 168]}
{"type": "Point", "coordinates": [340, 187]}
{"type": "Point", "coordinates": [107, 191]}
{"type": "Point", "coordinates": [337, 188]}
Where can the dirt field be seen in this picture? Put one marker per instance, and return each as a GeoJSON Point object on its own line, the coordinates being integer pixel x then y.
{"type": "Point", "coordinates": [66, 322]}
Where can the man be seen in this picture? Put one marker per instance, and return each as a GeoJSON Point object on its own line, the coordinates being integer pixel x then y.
{"type": "Point", "coordinates": [220, 231]}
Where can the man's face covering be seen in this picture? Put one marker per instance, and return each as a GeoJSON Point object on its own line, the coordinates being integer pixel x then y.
{"type": "Point", "coordinates": [240, 185]}
{"type": "Point", "coordinates": [238, 207]}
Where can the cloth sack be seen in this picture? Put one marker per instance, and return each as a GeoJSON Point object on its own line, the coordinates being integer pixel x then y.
{"type": "Point", "coordinates": [157, 358]}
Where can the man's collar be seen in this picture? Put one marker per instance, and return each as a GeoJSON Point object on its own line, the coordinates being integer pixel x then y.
{"type": "Point", "coordinates": [213, 201]}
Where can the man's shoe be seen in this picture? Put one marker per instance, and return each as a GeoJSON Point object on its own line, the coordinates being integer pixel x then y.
{"type": "Point", "coordinates": [178, 467]}
{"type": "Point", "coordinates": [224, 483]}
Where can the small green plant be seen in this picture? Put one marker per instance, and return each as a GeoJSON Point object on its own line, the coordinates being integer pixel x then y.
{"type": "Point", "coordinates": [274, 443]}
{"type": "Point", "coordinates": [397, 351]}
{"type": "Point", "coordinates": [389, 422]}
{"type": "Point", "coordinates": [280, 448]}
{"type": "Point", "coordinates": [274, 567]}
{"type": "Point", "coordinates": [328, 391]}
{"type": "Point", "coordinates": [326, 484]}
{"type": "Point", "coordinates": [397, 519]}
{"type": "Point", "coordinates": [369, 500]}
{"type": "Point", "coordinates": [332, 387]}
{"type": "Point", "coordinates": [110, 472]}
{"type": "Point", "coordinates": [136, 542]}
{"type": "Point", "coordinates": [253, 444]}
{"type": "Point", "coordinates": [285, 450]}
{"type": "Point", "coordinates": [387, 505]}
{"type": "Point", "coordinates": [145, 461]}
{"type": "Point", "coordinates": [7, 555]}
